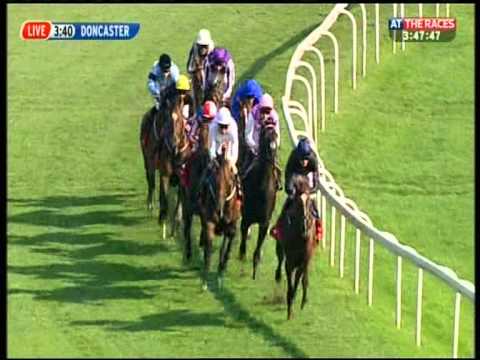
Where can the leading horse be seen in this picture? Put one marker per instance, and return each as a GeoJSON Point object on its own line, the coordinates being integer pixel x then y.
{"type": "Point", "coordinates": [298, 242]}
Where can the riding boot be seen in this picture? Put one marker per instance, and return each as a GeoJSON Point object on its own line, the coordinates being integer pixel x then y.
{"type": "Point", "coordinates": [318, 222]}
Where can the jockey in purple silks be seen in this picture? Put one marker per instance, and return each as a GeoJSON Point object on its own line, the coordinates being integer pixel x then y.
{"type": "Point", "coordinates": [220, 59]}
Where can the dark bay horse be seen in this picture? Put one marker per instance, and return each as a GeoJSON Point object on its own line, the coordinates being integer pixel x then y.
{"type": "Point", "coordinates": [197, 165]}
{"type": "Point", "coordinates": [260, 193]}
{"type": "Point", "coordinates": [220, 209]}
{"type": "Point", "coordinates": [298, 243]}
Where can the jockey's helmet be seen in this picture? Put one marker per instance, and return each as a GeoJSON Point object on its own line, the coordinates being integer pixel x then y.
{"type": "Point", "coordinates": [183, 83]}
{"type": "Point", "coordinates": [303, 148]}
{"type": "Point", "coordinates": [266, 102]}
{"type": "Point", "coordinates": [219, 56]}
{"type": "Point", "coordinates": [223, 117]}
{"type": "Point", "coordinates": [251, 88]}
{"type": "Point", "coordinates": [165, 62]}
{"type": "Point", "coordinates": [209, 110]}
{"type": "Point", "coordinates": [203, 37]}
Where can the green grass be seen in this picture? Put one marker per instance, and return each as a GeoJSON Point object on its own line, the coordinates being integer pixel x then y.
{"type": "Point", "coordinates": [88, 273]}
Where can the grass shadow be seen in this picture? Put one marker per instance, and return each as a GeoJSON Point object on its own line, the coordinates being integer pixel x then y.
{"type": "Point", "coordinates": [101, 244]}
{"type": "Point", "coordinates": [95, 281]}
{"type": "Point", "coordinates": [59, 202]}
{"type": "Point", "coordinates": [167, 321]}
{"type": "Point", "coordinates": [47, 217]}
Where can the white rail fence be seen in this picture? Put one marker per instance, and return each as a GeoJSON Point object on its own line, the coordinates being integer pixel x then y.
{"type": "Point", "coordinates": [330, 193]}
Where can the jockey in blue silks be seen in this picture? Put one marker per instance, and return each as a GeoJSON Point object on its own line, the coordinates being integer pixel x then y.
{"type": "Point", "coordinates": [249, 88]}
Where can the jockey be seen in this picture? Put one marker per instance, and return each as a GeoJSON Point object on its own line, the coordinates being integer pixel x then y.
{"type": "Point", "coordinates": [162, 79]}
{"type": "Point", "coordinates": [302, 162]}
{"type": "Point", "coordinates": [248, 89]}
{"type": "Point", "coordinates": [220, 59]}
{"type": "Point", "coordinates": [262, 114]}
{"type": "Point", "coordinates": [202, 46]}
{"type": "Point", "coordinates": [182, 88]}
{"type": "Point", "coordinates": [223, 135]}
{"type": "Point", "coordinates": [209, 111]}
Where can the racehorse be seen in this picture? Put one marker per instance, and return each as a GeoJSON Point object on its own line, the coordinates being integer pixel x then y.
{"type": "Point", "coordinates": [297, 244]}
{"type": "Point", "coordinates": [216, 89]}
{"type": "Point", "coordinates": [174, 150]}
{"type": "Point", "coordinates": [197, 84]}
{"type": "Point", "coordinates": [196, 166]}
{"type": "Point", "coordinates": [260, 193]}
{"type": "Point", "coordinates": [150, 140]}
{"type": "Point", "coordinates": [220, 209]}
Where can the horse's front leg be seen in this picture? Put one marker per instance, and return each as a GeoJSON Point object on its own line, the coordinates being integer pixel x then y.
{"type": "Point", "coordinates": [207, 252]}
{"type": "Point", "coordinates": [280, 256]}
{"type": "Point", "coordinates": [229, 237]}
{"type": "Point", "coordinates": [163, 200]}
{"type": "Point", "coordinates": [150, 174]}
{"type": "Point", "coordinates": [187, 227]}
{"type": "Point", "coordinates": [178, 214]}
{"type": "Point", "coordinates": [257, 255]}
{"type": "Point", "coordinates": [243, 244]}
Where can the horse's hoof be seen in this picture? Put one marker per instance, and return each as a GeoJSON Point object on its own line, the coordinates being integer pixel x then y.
{"type": "Point", "coordinates": [220, 281]}
{"type": "Point", "coordinates": [162, 216]}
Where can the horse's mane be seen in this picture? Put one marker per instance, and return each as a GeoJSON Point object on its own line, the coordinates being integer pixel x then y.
{"type": "Point", "coordinates": [301, 184]}
{"type": "Point", "coordinates": [267, 135]}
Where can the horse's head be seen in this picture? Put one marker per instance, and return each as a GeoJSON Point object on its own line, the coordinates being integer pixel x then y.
{"type": "Point", "coordinates": [217, 87]}
{"type": "Point", "coordinates": [203, 134]}
{"type": "Point", "coordinates": [247, 104]}
{"type": "Point", "coordinates": [176, 128]}
{"type": "Point", "coordinates": [268, 142]}
{"type": "Point", "coordinates": [224, 183]}
{"type": "Point", "coordinates": [301, 206]}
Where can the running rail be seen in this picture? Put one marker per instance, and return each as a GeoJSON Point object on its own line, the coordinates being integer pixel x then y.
{"type": "Point", "coordinates": [331, 193]}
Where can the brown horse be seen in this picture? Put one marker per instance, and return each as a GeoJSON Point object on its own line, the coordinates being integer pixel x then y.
{"type": "Point", "coordinates": [260, 193]}
{"type": "Point", "coordinates": [196, 165]}
{"type": "Point", "coordinates": [164, 147]}
{"type": "Point", "coordinates": [151, 135]}
{"type": "Point", "coordinates": [197, 83]}
{"type": "Point", "coordinates": [298, 243]}
{"type": "Point", "coordinates": [216, 90]}
{"type": "Point", "coordinates": [220, 210]}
